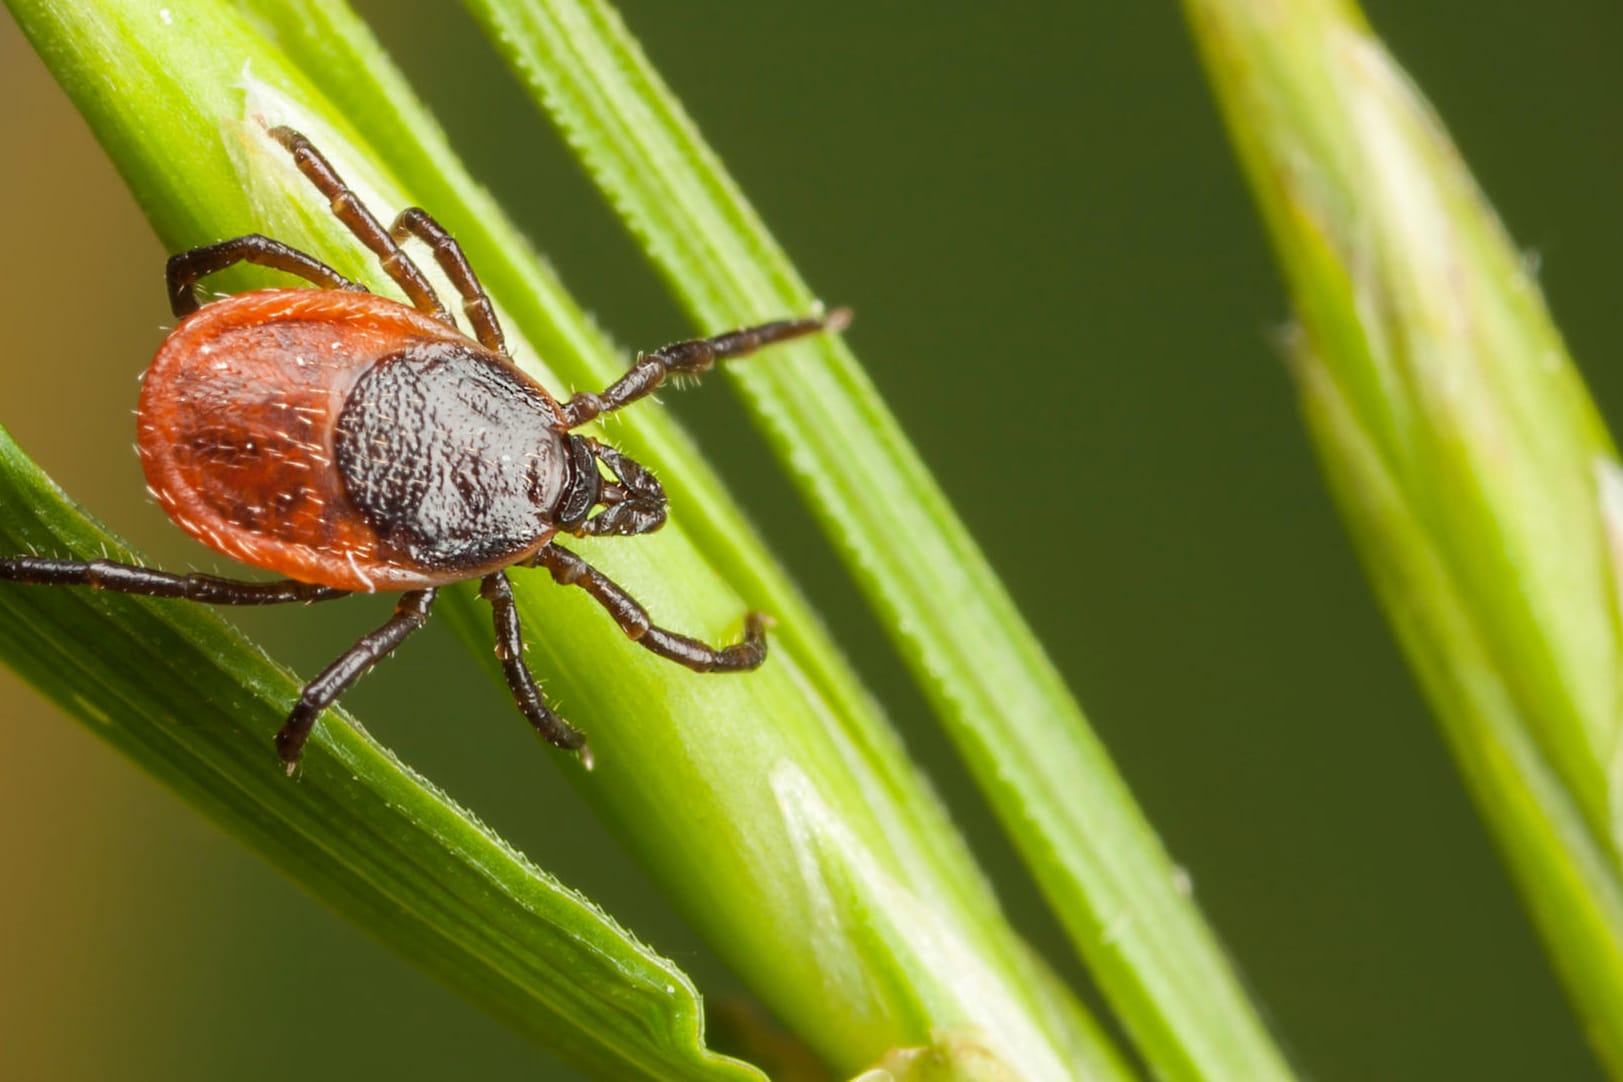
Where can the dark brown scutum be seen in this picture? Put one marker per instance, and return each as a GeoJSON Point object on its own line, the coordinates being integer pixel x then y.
{"type": "Point", "coordinates": [451, 456]}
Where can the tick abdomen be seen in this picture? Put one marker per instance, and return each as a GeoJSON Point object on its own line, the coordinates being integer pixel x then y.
{"type": "Point", "coordinates": [238, 432]}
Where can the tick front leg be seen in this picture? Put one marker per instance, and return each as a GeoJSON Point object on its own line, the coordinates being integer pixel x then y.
{"type": "Point", "coordinates": [409, 614]}
{"type": "Point", "coordinates": [568, 569]}
{"type": "Point", "coordinates": [348, 209]}
{"type": "Point", "coordinates": [497, 590]}
{"type": "Point", "coordinates": [130, 579]}
{"type": "Point", "coordinates": [417, 222]}
{"type": "Point", "coordinates": [186, 269]}
{"type": "Point", "coordinates": [693, 357]}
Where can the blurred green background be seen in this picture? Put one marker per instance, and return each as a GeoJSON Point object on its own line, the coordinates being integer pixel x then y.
{"type": "Point", "coordinates": [1037, 218]}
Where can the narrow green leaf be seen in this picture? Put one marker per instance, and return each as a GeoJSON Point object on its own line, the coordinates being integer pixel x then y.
{"type": "Point", "coordinates": [1464, 451]}
{"type": "Point", "coordinates": [1060, 798]}
{"type": "Point", "coordinates": [189, 699]}
{"type": "Point", "coordinates": [775, 807]}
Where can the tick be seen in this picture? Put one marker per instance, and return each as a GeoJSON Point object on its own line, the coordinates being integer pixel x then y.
{"type": "Point", "coordinates": [355, 444]}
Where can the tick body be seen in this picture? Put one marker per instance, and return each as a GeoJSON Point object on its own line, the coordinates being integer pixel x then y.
{"type": "Point", "coordinates": [355, 444]}
{"type": "Point", "coordinates": [343, 439]}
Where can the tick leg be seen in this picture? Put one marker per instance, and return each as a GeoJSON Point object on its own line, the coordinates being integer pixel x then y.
{"type": "Point", "coordinates": [416, 222]}
{"type": "Point", "coordinates": [409, 615]}
{"type": "Point", "coordinates": [187, 268]}
{"type": "Point", "coordinates": [568, 569]}
{"type": "Point", "coordinates": [510, 649]}
{"type": "Point", "coordinates": [693, 357]}
{"type": "Point", "coordinates": [348, 208]}
{"type": "Point", "coordinates": [129, 579]}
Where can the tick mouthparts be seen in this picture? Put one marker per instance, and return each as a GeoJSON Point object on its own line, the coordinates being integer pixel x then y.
{"type": "Point", "coordinates": [838, 320]}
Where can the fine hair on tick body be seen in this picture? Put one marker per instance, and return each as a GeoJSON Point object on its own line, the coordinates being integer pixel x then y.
{"type": "Point", "coordinates": [351, 443]}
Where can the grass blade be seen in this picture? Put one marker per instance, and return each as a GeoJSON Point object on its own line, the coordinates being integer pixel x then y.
{"type": "Point", "coordinates": [1057, 793]}
{"type": "Point", "coordinates": [1461, 444]}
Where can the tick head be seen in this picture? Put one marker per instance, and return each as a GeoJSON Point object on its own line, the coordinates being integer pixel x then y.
{"type": "Point", "coordinates": [631, 502]}
{"type": "Point", "coordinates": [582, 487]}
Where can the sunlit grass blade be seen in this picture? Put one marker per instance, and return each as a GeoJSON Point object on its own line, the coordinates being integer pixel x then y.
{"type": "Point", "coordinates": [1058, 795]}
{"type": "Point", "coordinates": [1463, 448]}
{"type": "Point", "coordinates": [775, 808]}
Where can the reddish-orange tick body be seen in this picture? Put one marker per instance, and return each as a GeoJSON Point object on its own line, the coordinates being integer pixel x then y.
{"type": "Point", "coordinates": [306, 432]}
{"type": "Point", "coordinates": [352, 443]}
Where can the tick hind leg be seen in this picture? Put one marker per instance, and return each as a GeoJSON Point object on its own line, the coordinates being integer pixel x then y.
{"type": "Point", "coordinates": [568, 569]}
{"type": "Point", "coordinates": [409, 614]}
{"type": "Point", "coordinates": [348, 208]}
{"type": "Point", "coordinates": [510, 649]}
{"type": "Point", "coordinates": [693, 357]}
{"type": "Point", "coordinates": [130, 579]}
{"type": "Point", "coordinates": [188, 268]}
